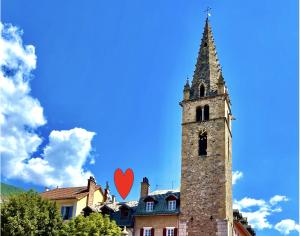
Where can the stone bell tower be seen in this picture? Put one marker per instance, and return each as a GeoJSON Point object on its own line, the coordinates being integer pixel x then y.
{"type": "Point", "coordinates": [206, 170]}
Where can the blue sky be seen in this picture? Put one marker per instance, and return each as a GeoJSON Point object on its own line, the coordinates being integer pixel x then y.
{"type": "Point", "coordinates": [117, 68]}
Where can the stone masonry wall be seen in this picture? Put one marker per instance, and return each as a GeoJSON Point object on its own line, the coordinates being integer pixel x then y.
{"type": "Point", "coordinates": [206, 180]}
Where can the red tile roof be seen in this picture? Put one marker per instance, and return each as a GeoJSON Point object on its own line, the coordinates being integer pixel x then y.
{"type": "Point", "coordinates": [67, 193]}
{"type": "Point", "coordinates": [241, 229]}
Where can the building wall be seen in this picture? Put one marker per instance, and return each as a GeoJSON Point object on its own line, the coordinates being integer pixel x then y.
{"type": "Point", "coordinates": [206, 205]}
{"type": "Point", "coordinates": [78, 205]}
{"type": "Point", "coordinates": [82, 203]}
{"type": "Point", "coordinates": [98, 197]}
{"type": "Point", "coordinates": [156, 222]}
{"type": "Point", "coordinates": [67, 202]}
{"type": "Point", "coordinates": [130, 231]}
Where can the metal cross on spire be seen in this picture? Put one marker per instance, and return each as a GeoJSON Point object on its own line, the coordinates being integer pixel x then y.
{"type": "Point", "coordinates": [207, 11]}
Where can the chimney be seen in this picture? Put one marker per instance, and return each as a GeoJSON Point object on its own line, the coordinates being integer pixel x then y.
{"type": "Point", "coordinates": [145, 186]}
{"type": "Point", "coordinates": [91, 189]}
{"type": "Point", "coordinates": [106, 193]}
{"type": "Point", "coordinates": [113, 199]}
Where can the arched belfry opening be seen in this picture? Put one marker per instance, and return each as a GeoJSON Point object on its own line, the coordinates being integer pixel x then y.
{"type": "Point", "coordinates": [202, 142]}
{"type": "Point", "coordinates": [202, 90]}
{"type": "Point", "coordinates": [199, 114]}
{"type": "Point", "coordinates": [206, 112]}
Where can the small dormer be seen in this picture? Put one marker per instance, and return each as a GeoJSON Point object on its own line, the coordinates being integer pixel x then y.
{"type": "Point", "coordinates": [149, 203]}
{"type": "Point", "coordinates": [105, 210]}
{"type": "Point", "coordinates": [124, 212]}
{"type": "Point", "coordinates": [172, 202]}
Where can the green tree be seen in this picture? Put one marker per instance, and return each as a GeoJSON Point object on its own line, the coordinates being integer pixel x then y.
{"type": "Point", "coordinates": [93, 225]}
{"type": "Point", "coordinates": [28, 214]}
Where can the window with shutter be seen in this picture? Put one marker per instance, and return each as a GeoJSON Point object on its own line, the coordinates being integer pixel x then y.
{"type": "Point", "coordinates": [148, 232]}
{"type": "Point", "coordinates": [164, 232]}
{"type": "Point", "coordinates": [170, 231]}
{"type": "Point", "coordinates": [142, 232]}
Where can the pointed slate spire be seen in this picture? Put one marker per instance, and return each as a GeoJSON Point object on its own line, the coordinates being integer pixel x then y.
{"type": "Point", "coordinates": [208, 69]}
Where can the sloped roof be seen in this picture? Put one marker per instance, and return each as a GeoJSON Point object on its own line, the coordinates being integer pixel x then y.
{"type": "Point", "coordinates": [242, 221]}
{"type": "Point", "coordinates": [115, 212]}
{"type": "Point", "coordinates": [160, 203]}
{"type": "Point", "coordinates": [166, 191]}
{"type": "Point", "coordinates": [67, 193]}
{"type": "Point", "coordinates": [116, 206]}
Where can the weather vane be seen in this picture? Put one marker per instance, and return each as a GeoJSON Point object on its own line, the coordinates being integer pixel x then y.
{"type": "Point", "coordinates": [207, 11]}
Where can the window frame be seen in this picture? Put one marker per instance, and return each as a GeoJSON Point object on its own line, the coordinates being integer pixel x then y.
{"type": "Point", "coordinates": [147, 231]}
{"type": "Point", "coordinates": [149, 206]}
{"type": "Point", "coordinates": [172, 205]}
{"type": "Point", "coordinates": [170, 231]}
{"type": "Point", "coordinates": [63, 211]}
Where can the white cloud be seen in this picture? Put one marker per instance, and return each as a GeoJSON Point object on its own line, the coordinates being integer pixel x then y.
{"type": "Point", "coordinates": [257, 211]}
{"type": "Point", "coordinates": [62, 161]}
{"type": "Point", "coordinates": [236, 175]}
{"type": "Point", "coordinates": [248, 202]}
{"type": "Point", "coordinates": [286, 226]}
{"type": "Point", "coordinates": [256, 218]}
{"type": "Point", "coordinates": [278, 198]}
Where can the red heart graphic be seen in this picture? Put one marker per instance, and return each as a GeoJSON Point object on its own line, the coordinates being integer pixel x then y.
{"type": "Point", "coordinates": [123, 182]}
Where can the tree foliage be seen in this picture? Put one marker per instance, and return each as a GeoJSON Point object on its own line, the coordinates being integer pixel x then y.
{"type": "Point", "coordinates": [93, 225]}
{"type": "Point", "coordinates": [28, 214]}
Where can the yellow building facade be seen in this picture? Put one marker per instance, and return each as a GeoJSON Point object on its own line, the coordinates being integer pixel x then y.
{"type": "Point", "coordinates": [71, 201]}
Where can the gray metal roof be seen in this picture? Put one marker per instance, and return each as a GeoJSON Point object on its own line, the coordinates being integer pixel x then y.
{"type": "Point", "coordinates": [115, 212]}
{"type": "Point", "coordinates": [160, 203]}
